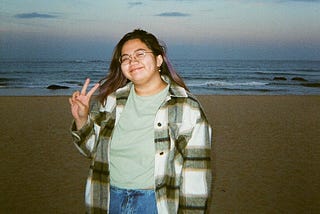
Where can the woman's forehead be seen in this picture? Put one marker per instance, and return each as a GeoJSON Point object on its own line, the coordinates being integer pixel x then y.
{"type": "Point", "coordinates": [133, 45]}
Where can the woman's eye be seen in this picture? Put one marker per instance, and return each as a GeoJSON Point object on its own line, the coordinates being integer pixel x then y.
{"type": "Point", "coordinates": [140, 54]}
{"type": "Point", "coordinates": [124, 59]}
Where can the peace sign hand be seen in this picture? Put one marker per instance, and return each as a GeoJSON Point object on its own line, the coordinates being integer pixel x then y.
{"type": "Point", "coordinates": [80, 102]}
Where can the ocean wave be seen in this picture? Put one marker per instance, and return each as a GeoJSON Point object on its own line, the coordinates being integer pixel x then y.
{"type": "Point", "coordinates": [224, 84]}
{"type": "Point", "coordinates": [87, 61]}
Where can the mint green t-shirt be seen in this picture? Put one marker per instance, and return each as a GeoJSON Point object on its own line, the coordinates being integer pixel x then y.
{"type": "Point", "coordinates": [132, 146]}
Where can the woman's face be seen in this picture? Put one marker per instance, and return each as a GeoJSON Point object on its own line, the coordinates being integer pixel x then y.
{"type": "Point", "coordinates": [139, 64]}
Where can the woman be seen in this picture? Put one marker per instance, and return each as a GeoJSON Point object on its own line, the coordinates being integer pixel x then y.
{"type": "Point", "coordinates": [147, 136]}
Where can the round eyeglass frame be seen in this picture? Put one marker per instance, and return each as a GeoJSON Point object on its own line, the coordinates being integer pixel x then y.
{"type": "Point", "coordinates": [138, 55]}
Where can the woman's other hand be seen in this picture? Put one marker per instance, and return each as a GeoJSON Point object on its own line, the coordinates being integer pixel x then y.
{"type": "Point", "coordinates": [80, 102]}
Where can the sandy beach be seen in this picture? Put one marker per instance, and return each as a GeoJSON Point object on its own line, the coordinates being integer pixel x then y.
{"type": "Point", "coordinates": [266, 155]}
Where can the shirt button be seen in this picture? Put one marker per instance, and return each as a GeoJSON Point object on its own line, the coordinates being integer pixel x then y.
{"type": "Point", "coordinates": [159, 124]}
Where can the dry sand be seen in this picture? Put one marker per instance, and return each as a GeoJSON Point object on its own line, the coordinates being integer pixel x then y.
{"type": "Point", "coordinates": [266, 155]}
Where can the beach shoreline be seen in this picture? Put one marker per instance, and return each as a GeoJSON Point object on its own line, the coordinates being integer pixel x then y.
{"type": "Point", "coordinates": [266, 154]}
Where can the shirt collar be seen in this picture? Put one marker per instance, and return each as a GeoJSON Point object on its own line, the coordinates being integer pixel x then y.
{"type": "Point", "coordinates": [174, 89]}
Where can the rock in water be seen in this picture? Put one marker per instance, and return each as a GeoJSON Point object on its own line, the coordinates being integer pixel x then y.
{"type": "Point", "coordinates": [313, 85]}
{"type": "Point", "coordinates": [279, 78]}
{"type": "Point", "coordinates": [55, 87]}
{"type": "Point", "coordinates": [300, 79]}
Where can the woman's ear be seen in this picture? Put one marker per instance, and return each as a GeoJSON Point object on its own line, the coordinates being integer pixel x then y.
{"type": "Point", "coordinates": [159, 61]}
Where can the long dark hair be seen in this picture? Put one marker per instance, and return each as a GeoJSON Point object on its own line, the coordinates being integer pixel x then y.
{"type": "Point", "coordinates": [115, 79]}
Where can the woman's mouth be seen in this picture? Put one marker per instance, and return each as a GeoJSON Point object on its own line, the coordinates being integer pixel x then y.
{"type": "Point", "coordinates": [135, 69]}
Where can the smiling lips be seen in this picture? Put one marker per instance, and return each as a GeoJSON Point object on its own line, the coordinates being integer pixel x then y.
{"type": "Point", "coordinates": [135, 69]}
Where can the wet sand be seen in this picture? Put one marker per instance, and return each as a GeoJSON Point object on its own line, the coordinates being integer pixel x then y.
{"type": "Point", "coordinates": [266, 155]}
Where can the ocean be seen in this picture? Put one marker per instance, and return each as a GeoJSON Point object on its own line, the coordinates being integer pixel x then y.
{"type": "Point", "coordinates": [203, 77]}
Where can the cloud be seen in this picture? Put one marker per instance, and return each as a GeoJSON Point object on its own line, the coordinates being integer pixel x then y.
{"type": "Point", "coordinates": [279, 1]}
{"type": "Point", "coordinates": [136, 3]}
{"type": "Point", "coordinates": [34, 15]}
{"type": "Point", "coordinates": [297, 0]}
{"type": "Point", "coordinates": [306, 0]}
{"type": "Point", "coordinates": [173, 14]}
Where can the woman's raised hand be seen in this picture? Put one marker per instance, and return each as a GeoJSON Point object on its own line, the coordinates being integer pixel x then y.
{"type": "Point", "coordinates": [80, 102]}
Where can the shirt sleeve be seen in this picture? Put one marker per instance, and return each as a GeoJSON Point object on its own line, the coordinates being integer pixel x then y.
{"type": "Point", "coordinates": [196, 170]}
{"type": "Point", "coordinates": [85, 138]}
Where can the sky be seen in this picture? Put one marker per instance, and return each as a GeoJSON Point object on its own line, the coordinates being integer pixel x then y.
{"type": "Point", "coordinates": [191, 29]}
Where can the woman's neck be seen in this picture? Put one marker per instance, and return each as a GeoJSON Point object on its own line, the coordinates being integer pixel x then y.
{"type": "Point", "coordinates": [150, 89]}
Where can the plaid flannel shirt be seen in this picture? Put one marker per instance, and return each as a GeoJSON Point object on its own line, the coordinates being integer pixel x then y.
{"type": "Point", "coordinates": [182, 159]}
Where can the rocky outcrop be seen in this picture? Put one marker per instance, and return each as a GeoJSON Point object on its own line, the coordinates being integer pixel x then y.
{"type": "Point", "coordinates": [56, 87]}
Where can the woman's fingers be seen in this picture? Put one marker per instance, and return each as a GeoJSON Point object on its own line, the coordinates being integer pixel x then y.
{"type": "Point", "coordinates": [85, 86]}
{"type": "Point", "coordinates": [70, 101]}
{"type": "Point", "coordinates": [75, 95]}
{"type": "Point", "coordinates": [74, 108]}
{"type": "Point", "coordinates": [91, 92]}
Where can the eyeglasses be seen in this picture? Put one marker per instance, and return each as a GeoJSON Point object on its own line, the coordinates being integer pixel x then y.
{"type": "Point", "coordinates": [138, 55]}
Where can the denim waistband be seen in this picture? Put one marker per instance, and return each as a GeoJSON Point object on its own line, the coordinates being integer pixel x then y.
{"type": "Point", "coordinates": [132, 201]}
{"type": "Point", "coordinates": [132, 191]}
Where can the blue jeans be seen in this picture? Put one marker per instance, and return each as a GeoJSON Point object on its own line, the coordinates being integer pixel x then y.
{"type": "Point", "coordinates": [131, 201]}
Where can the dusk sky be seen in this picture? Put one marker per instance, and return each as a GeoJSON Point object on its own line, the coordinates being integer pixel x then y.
{"type": "Point", "coordinates": [202, 29]}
